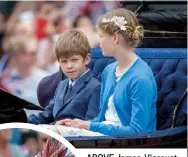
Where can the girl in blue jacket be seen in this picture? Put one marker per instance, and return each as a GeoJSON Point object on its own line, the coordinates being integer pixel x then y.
{"type": "Point", "coordinates": [128, 92]}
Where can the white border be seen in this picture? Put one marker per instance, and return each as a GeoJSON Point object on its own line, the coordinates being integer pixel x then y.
{"type": "Point", "coordinates": [42, 130]}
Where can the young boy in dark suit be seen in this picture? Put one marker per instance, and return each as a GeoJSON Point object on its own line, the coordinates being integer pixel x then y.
{"type": "Point", "coordinates": [78, 95]}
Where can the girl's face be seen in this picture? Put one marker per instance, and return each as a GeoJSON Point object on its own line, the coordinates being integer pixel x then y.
{"type": "Point", "coordinates": [106, 42]}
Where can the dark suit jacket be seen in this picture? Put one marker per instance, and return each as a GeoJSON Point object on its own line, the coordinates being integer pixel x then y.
{"type": "Point", "coordinates": [46, 94]}
{"type": "Point", "coordinates": [82, 103]}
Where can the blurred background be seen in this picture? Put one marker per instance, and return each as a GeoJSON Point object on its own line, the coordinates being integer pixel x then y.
{"type": "Point", "coordinates": [28, 143]}
{"type": "Point", "coordinates": [21, 142]}
{"type": "Point", "coordinates": [29, 30]}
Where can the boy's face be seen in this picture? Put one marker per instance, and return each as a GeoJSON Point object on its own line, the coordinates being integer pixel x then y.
{"type": "Point", "coordinates": [74, 66]}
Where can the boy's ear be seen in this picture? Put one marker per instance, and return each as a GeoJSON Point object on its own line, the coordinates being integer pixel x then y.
{"type": "Point", "coordinates": [116, 37]}
{"type": "Point", "coordinates": [87, 59]}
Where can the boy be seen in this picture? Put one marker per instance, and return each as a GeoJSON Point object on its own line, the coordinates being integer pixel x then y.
{"type": "Point", "coordinates": [78, 95]}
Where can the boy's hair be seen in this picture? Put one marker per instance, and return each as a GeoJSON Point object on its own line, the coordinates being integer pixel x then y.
{"type": "Point", "coordinates": [72, 42]}
{"type": "Point", "coordinates": [132, 31]}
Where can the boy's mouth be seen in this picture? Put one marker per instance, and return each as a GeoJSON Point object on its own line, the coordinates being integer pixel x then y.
{"type": "Point", "coordinates": [70, 72]}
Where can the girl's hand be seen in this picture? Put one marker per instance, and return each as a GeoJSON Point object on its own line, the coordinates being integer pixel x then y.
{"type": "Point", "coordinates": [63, 121]}
{"type": "Point", "coordinates": [77, 123]}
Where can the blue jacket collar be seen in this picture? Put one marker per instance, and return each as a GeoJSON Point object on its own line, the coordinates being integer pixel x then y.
{"type": "Point", "coordinates": [80, 83]}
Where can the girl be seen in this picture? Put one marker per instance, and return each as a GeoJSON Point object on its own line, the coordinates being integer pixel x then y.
{"type": "Point", "coordinates": [128, 92]}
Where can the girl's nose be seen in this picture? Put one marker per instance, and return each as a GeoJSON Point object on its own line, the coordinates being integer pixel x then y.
{"type": "Point", "coordinates": [99, 40]}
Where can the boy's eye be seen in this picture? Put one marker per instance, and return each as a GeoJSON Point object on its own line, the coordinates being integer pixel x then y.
{"type": "Point", "coordinates": [74, 59]}
{"type": "Point", "coordinates": [63, 61]}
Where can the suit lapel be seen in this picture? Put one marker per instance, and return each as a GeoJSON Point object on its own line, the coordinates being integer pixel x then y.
{"type": "Point", "coordinates": [61, 92]}
{"type": "Point", "coordinates": [80, 83]}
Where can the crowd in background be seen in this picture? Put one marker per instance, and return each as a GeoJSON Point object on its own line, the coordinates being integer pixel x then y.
{"type": "Point", "coordinates": [29, 38]}
{"type": "Point", "coordinates": [29, 143]}
{"type": "Point", "coordinates": [21, 142]}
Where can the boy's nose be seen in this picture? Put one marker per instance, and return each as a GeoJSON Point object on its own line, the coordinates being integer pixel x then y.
{"type": "Point", "coordinates": [69, 65]}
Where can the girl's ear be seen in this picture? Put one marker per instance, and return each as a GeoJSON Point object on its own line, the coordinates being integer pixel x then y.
{"type": "Point", "coordinates": [116, 37]}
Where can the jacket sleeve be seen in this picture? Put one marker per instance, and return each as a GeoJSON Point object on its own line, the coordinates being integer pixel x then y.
{"type": "Point", "coordinates": [44, 117]}
{"type": "Point", "coordinates": [143, 112]}
{"type": "Point", "coordinates": [93, 105]}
